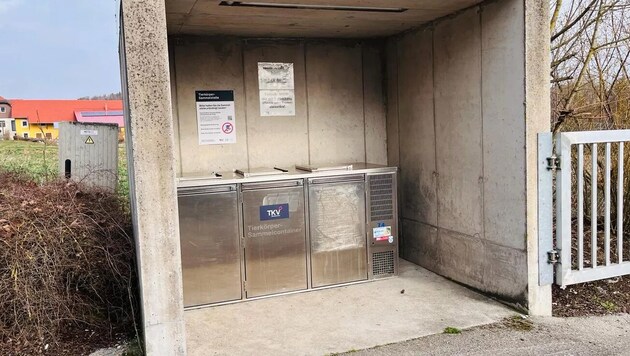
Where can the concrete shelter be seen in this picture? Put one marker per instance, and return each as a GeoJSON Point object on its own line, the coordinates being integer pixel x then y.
{"type": "Point", "coordinates": [453, 92]}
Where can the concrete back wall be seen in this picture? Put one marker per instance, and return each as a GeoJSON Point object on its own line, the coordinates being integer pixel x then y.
{"type": "Point", "coordinates": [340, 104]}
{"type": "Point", "coordinates": [457, 91]}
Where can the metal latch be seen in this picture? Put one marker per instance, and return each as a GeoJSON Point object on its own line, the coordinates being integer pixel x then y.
{"type": "Point", "coordinates": [553, 257]}
{"type": "Point", "coordinates": [553, 163]}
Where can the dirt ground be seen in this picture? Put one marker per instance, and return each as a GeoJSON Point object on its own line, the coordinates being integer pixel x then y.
{"type": "Point", "coordinates": [73, 342]}
{"type": "Point", "coordinates": [595, 298]}
{"type": "Point", "coordinates": [67, 276]}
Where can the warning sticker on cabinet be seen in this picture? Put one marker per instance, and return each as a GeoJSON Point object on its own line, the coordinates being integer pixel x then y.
{"type": "Point", "coordinates": [382, 233]}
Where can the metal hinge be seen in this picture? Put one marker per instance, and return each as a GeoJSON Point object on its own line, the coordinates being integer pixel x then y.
{"type": "Point", "coordinates": [245, 286]}
{"type": "Point", "coordinates": [553, 163]}
{"type": "Point", "coordinates": [553, 257]}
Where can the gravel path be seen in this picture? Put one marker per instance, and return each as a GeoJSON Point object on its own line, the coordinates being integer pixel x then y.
{"type": "Point", "coordinates": [598, 335]}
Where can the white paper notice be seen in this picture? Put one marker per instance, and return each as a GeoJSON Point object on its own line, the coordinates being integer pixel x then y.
{"type": "Point", "coordinates": [277, 103]}
{"type": "Point", "coordinates": [275, 76]}
{"type": "Point", "coordinates": [276, 89]}
{"type": "Point", "coordinates": [215, 117]}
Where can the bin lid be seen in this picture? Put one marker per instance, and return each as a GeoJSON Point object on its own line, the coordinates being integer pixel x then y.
{"type": "Point", "coordinates": [258, 172]}
{"type": "Point", "coordinates": [200, 176]}
{"type": "Point", "coordinates": [311, 168]}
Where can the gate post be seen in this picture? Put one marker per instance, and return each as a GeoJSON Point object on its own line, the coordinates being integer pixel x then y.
{"type": "Point", "coordinates": [545, 208]}
{"type": "Point", "coordinates": [563, 207]}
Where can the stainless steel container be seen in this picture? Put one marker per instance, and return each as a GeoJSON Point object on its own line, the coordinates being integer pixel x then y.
{"type": "Point", "coordinates": [209, 238]}
{"type": "Point", "coordinates": [253, 233]}
{"type": "Point", "coordinates": [337, 229]}
{"type": "Point", "coordinates": [275, 237]}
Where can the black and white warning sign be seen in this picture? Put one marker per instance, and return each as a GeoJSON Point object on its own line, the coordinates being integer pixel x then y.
{"type": "Point", "coordinates": [276, 84]}
{"type": "Point", "coordinates": [215, 117]}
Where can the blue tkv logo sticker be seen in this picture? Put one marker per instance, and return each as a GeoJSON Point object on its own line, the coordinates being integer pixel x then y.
{"type": "Point", "coordinates": [274, 212]}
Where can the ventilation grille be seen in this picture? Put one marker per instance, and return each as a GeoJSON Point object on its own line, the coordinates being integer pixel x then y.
{"type": "Point", "coordinates": [382, 197]}
{"type": "Point", "coordinates": [382, 263]}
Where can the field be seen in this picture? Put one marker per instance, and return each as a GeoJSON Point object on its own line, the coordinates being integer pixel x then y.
{"type": "Point", "coordinates": [39, 161]}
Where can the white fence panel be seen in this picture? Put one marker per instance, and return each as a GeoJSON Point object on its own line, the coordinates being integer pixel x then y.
{"type": "Point", "coordinates": [571, 185]}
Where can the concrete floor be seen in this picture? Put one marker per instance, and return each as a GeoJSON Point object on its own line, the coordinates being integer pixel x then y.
{"type": "Point", "coordinates": [340, 319]}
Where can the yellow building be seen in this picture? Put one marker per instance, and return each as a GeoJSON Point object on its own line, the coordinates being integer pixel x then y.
{"type": "Point", "coordinates": [25, 129]}
{"type": "Point", "coordinates": [39, 119]}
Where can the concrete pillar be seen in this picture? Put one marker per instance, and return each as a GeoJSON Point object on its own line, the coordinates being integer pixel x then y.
{"type": "Point", "coordinates": [150, 143]}
{"type": "Point", "coordinates": [537, 109]}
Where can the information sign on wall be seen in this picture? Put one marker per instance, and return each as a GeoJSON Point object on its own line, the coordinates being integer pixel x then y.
{"type": "Point", "coordinates": [215, 117]}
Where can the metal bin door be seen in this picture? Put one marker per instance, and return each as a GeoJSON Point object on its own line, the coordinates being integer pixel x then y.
{"type": "Point", "coordinates": [209, 237]}
{"type": "Point", "coordinates": [275, 238]}
{"type": "Point", "coordinates": [337, 230]}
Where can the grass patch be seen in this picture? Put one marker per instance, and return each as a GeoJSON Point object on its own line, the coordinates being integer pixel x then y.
{"type": "Point", "coordinates": [40, 162]}
{"type": "Point", "coordinates": [133, 348]}
{"type": "Point", "coordinates": [518, 322]}
{"type": "Point", "coordinates": [451, 330]}
{"type": "Point", "coordinates": [609, 306]}
{"type": "Point", "coordinates": [36, 160]}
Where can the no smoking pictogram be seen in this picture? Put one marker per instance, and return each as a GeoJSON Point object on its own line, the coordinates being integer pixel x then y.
{"type": "Point", "coordinates": [227, 128]}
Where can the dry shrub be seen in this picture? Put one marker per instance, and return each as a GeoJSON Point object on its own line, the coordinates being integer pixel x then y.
{"type": "Point", "coordinates": [67, 266]}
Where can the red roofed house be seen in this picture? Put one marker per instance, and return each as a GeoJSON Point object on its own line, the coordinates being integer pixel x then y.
{"type": "Point", "coordinates": [40, 118]}
{"type": "Point", "coordinates": [7, 125]}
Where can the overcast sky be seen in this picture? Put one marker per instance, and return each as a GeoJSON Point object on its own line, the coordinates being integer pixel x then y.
{"type": "Point", "coordinates": [58, 49]}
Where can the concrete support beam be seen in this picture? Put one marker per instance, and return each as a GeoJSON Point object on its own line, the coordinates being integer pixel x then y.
{"type": "Point", "coordinates": [150, 147]}
{"type": "Point", "coordinates": [537, 108]}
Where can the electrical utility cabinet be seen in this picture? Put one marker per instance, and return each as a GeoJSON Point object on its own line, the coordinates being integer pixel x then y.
{"type": "Point", "coordinates": [88, 153]}
{"type": "Point", "coordinates": [267, 231]}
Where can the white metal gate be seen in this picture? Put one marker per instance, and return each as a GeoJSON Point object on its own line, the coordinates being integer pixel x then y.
{"type": "Point", "coordinates": [589, 176]}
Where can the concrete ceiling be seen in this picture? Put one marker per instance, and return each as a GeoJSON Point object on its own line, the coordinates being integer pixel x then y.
{"type": "Point", "coordinates": [209, 17]}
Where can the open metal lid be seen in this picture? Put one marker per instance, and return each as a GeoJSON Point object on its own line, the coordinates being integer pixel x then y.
{"type": "Point", "coordinates": [259, 172]}
{"type": "Point", "coordinates": [310, 168]}
{"type": "Point", "coordinates": [200, 176]}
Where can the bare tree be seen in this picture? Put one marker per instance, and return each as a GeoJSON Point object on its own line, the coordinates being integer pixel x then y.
{"type": "Point", "coordinates": [111, 96]}
{"type": "Point", "coordinates": [590, 48]}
